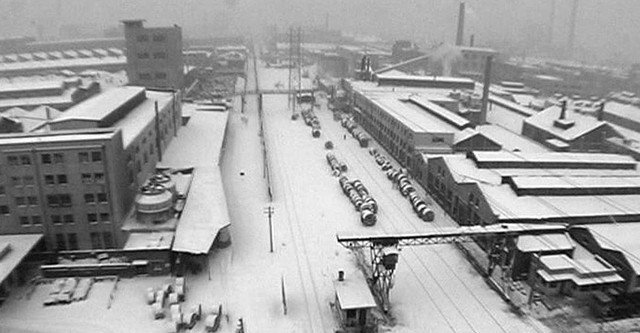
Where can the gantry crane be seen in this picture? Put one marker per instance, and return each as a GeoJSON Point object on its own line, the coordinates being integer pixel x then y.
{"type": "Point", "coordinates": [384, 248]}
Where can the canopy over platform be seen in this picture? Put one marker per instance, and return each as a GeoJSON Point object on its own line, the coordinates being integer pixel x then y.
{"type": "Point", "coordinates": [13, 249]}
{"type": "Point", "coordinates": [205, 213]}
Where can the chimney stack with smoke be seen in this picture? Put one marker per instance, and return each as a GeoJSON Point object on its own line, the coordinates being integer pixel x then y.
{"type": "Point", "coordinates": [600, 113]}
{"type": "Point", "coordinates": [460, 34]}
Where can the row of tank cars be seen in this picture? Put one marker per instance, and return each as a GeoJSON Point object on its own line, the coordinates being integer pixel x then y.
{"type": "Point", "coordinates": [361, 200]}
{"type": "Point", "coordinates": [357, 193]}
{"type": "Point", "coordinates": [357, 133]}
{"type": "Point", "coordinates": [310, 119]}
{"type": "Point", "coordinates": [401, 180]}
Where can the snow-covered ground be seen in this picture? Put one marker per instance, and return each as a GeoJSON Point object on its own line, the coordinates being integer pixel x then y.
{"type": "Point", "coordinates": [436, 290]}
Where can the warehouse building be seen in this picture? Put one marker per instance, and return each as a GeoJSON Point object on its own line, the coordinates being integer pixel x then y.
{"type": "Point", "coordinates": [503, 187]}
{"type": "Point", "coordinates": [75, 182]}
{"type": "Point", "coordinates": [60, 94]}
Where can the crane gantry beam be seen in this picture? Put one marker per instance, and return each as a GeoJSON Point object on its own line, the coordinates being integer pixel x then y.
{"type": "Point", "coordinates": [447, 235]}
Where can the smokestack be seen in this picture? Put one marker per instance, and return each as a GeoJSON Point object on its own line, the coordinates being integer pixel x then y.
{"type": "Point", "coordinates": [552, 18]}
{"type": "Point", "coordinates": [572, 27]}
{"type": "Point", "coordinates": [563, 110]}
{"type": "Point", "coordinates": [472, 40]}
{"type": "Point", "coordinates": [460, 35]}
{"type": "Point", "coordinates": [326, 21]}
{"type": "Point", "coordinates": [340, 275]}
{"type": "Point", "coordinates": [600, 113]}
{"type": "Point", "coordinates": [485, 90]}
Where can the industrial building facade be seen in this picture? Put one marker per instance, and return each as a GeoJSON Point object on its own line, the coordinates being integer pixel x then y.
{"type": "Point", "coordinates": [75, 183]}
{"type": "Point", "coordinates": [154, 55]}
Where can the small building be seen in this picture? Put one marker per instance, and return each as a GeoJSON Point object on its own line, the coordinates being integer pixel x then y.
{"type": "Point", "coordinates": [354, 301]}
{"type": "Point", "coordinates": [560, 274]}
{"type": "Point", "coordinates": [528, 246]}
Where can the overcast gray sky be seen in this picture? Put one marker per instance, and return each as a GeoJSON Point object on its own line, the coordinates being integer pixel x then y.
{"type": "Point", "coordinates": [606, 29]}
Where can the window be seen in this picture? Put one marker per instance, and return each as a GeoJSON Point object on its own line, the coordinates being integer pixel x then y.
{"type": "Point", "coordinates": [65, 200]}
{"type": "Point", "coordinates": [86, 178]}
{"type": "Point", "coordinates": [25, 160]}
{"type": "Point", "coordinates": [159, 55]}
{"type": "Point", "coordinates": [161, 75]}
{"type": "Point", "coordinates": [2, 190]}
{"type": "Point", "coordinates": [142, 38]}
{"type": "Point", "coordinates": [98, 177]}
{"type": "Point", "coordinates": [49, 180]}
{"type": "Point", "coordinates": [437, 139]}
{"type": "Point", "coordinates": [68, 219]}
{"type": "Point", "coordinates": [138, 167]}
{"type": "Point", "coordinates": [159, 37]}
{"type": "Point", "coordinates": [62, 179]}
{"type": "Point", "coordinates": [89, 198]}
{"type": "Point", "coordinates": [28, 180]}
{"type": "Point", "coordinates": [102, 197]}
{"type": "Point", "coordinates": [32, 200]}
{"type": "Point", "coordinates": [145, 157]}
{"type": "Point", "coordinates": [21, 201]}
{"type": "Point", "coordinates": [53, 200]}
{"type": "Point", "coordinates": [151, 150]}
{"type": "Point", "coordinates": [56, 219]}
{"type": "Point", "coordinates": [45, 158]}
{"type": "Point", "coordinates": [16, 181]}
{"type": "Point", "coordinates": [108, 240]}
{"type": "Point", "coordinates": [24, 221]}
{"type": "Point", "coordinates": [58, 158]}
{"type": "Point", "coordinates": [144, 76]}
{"type": "Point", "coordinates": [92, 217]}
{"type": "Point", "coordinates": [96, 242]}
{"type": "Point", "coordinates": [104, 217]}
{"type": "Point", "coordinates": [4, 210]}
{"type": "Point", "coordinates": [60, 242]}
{"type": "Point", "coordinates": [143, 55]}
{"type": "Point", "coordinates": [83, 157]}
{"type": "Point", "coordinates": [73, 241]}
{"type": "Point", "coordinates": [96, 156]}
{"type": "Point", "coordinates": [13, 160]}
{"type": "Point", "coordinates": [36, 220]}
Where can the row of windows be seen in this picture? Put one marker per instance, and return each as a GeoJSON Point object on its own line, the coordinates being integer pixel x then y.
{"type": "Point", "coordinates": [156, 38]}
{"type": "Point", "coordinates": [26, 221]}
{"type": "Point", "coordinates": [157, 76]}
{"type": "Point", "coordinates": [36, 220]}
{"type": "Point", "coordinates": [55, 158]}
{"type": "Point", "coordinates": [91, 198]}
{"type": "Point", "coordinates": [156, 55]}
{"type": "Point", "coordinates": [26, 201]}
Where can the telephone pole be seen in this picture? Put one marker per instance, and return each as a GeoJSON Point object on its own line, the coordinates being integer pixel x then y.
{"type": "Point", "coordinates": [289, 65]}
{"type": "Point", "coordinates": [270, 211]}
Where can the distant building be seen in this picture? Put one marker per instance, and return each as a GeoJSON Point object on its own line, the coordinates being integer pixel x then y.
{"type": "Point", "coordinates": [60, 94]}
{"type": "Point", "coordinates": [154, 55]}
{"type": "Point", "coordinates": [568, 129]}
{"type": "Point", "coordinates": [75, 182]}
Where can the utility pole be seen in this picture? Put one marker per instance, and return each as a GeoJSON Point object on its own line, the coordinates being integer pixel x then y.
{"type": "Point", "coordinates": [270, 211]}
{"type": "Point", "coordinates": [289, 65]}
{"type": "Point", "coordinates": [299, 61]}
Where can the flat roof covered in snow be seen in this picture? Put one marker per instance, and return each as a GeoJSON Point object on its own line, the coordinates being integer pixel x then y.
{"type": "Point", "coordinates": [101, 106]}
{"type": "Point", "coordinates": [354, 294]}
